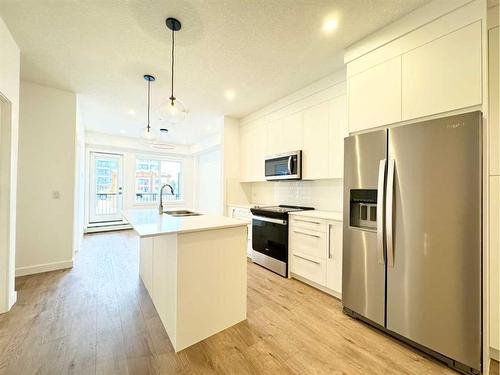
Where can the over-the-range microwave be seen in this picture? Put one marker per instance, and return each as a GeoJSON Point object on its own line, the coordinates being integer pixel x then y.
{"type": "Point", "coordinates": [285, 166]}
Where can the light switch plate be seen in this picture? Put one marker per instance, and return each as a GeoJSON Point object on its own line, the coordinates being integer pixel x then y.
{"type": "Point", "coordinates": [56, 194]}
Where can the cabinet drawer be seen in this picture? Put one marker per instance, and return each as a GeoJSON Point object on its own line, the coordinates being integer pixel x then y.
{"type": "Point", "coordinates": [308, 242]}
{"type": "Point", "coordinates": [308, 223]}
{"type": "Point", "coordinates": [309, 268]}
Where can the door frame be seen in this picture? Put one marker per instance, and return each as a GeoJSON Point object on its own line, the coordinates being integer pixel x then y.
{"type": "Point", "coordinates": [91, 218]}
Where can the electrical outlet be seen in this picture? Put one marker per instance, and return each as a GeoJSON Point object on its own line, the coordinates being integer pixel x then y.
{"type": "Point", "coordinates": [56, 194]}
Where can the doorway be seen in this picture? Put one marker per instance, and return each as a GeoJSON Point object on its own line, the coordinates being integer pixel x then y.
{"type": "Point", "coordinates": [106, 188]}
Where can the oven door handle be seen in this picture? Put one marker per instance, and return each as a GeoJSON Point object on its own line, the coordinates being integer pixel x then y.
{"type": "Point", "coordinates": [270, 220]}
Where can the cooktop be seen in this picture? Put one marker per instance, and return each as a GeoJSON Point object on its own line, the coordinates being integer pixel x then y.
{"type": "Point", "coordinates": [280, 211]}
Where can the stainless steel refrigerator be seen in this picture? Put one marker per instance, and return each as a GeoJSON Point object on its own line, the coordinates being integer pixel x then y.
{"type": "Point", "coordinates": [412, 235]}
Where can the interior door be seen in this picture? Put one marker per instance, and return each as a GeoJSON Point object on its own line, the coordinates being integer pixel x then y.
{"type": "Point", "coordinates": [434, 256]}
{"type": "Point", "coordinates": [363, 269]}
{"type": "Point", "coordinates": [106, 191]}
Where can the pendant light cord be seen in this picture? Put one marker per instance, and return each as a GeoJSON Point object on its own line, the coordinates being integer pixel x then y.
{"type": "Point", "coordinates": [172, 98]}
{"type": "Point", "coordinates": [149, 102]}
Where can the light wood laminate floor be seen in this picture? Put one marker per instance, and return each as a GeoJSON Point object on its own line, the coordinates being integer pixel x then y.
{"type": "Point", "coordinates": [98, 318]}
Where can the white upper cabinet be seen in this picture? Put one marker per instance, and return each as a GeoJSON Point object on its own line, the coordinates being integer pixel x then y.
{"type": "Point", "coordinates": [315, 152]}
{"type": "Point", "coordinates": [275, 142]}
{"type": "Point", "coordinates": [312, 120]}
{"type": "Point", "coordinates": [443, 75]}
{"type": "Point", "coordinates": [375, 96]}
{"type": "Point", "coordinates": [338, 130]}
{"type": "Point", "coordinates": [284, 134]}
{"type": "Point", "coordinates": [292, 132]}
{"type": "Point", "coordinates": [253, 150]}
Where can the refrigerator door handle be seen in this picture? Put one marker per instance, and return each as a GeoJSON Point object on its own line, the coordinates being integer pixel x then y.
{"type": "Point", "coordinates": [380, 211]}
{"type": "Point", "coordinates": [389, 212]}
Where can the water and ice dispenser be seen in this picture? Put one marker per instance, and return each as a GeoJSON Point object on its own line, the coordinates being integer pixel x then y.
{"type": "Point", "coordinates": [363, 212]}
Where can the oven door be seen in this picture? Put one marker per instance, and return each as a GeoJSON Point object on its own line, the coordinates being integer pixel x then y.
{"type": "Point", "coordinates": [270, 243]}
{"type": "Point", "coordinates": [284, 166]}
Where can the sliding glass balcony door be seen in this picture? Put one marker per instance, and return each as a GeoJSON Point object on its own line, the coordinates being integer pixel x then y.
{"type": "Point", "coordinates": [106, 192]}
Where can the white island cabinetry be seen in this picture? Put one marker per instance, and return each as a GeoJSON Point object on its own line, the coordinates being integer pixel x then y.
{"type": "Point", "coordinates": [194, 269]}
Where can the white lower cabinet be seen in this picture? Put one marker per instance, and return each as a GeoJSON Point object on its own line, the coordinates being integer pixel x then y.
{"type": "Point", "coordinates": [334, 258]}
{"type": "Point", "coordinates": [308, 267]}
{"type": "Point", "coordinates": [316, 252]}
{"type": "Point", "coordinates": [146, 262]}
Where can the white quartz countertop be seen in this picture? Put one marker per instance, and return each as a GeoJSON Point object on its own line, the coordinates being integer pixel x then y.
{"type": "Point", "coordinates": [317, 214]}
{"type": "Point", "coordinates": [247, 205]}
{"type": "Point", "coordinates": [147, 222]}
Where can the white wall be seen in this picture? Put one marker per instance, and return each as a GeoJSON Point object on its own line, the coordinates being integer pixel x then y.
{"type": "Point", "coordinates": [79, 220]}
{"type": "Point", "coordinates": [9, 102]}
{"type": "Point", "coordinates": [46, 179]}
{"type": "Point", "coordinates": [320, 194]}
{"type": "Point", "coordinates": [234, 191]}
{"type": "Point", "coordinates": [209, 182]}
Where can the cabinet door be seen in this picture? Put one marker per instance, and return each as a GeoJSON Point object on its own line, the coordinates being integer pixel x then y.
{"type": "Point", "coordinates": [494, 120]}
{"type": "Point", "coordinates": [375, 96]}
{"type": "Point", "coordinates": [292, 132]}
{"type": "Point", "coordinates": [275, 137]}
{"type": "Point", "coordinates": [254, 144]}
{"type": "Point", "coordinates": [334, 260]}
{"type": "Point", "coordinates": [338, 130]}
{"type": "Point", "coordinates": [146, 263]}
{"type": "Point", "coordinates": [315, 155]}
{"type": "Point", "coordinates": [443, 75]}
{"type": "Point", "coordinates": [245, 155]}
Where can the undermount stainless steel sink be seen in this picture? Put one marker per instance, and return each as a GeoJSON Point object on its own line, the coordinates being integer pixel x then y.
{"type": "Point", "coordinates": [181, 213]}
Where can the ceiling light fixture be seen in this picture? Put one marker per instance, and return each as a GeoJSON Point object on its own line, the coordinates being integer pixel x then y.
{"type": "Point", "coordinates": [329, 25]}
{"type": "Point", "coordinates": [174, 111]}
{"type": "Point", "coordinates": [230, 95]}
{"type": "Point", "coordinates": [148, 132]}
{"type": "Point", "coordinates": [131, 112]}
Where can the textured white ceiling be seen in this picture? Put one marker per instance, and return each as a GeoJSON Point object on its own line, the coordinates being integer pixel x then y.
{"type": "Point", "coordinates": [261, 49]}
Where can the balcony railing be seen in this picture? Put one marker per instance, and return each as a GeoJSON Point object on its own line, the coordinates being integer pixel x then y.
{"type": "Point", "coordinates": [106, 204]}
{"type": "Point", "coordinates": [154, 197]}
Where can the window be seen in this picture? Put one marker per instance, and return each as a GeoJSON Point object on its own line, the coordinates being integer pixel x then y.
{"type": "Point", "coordinates": [151, 174]}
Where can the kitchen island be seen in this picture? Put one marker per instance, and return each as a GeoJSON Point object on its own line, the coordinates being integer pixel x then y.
{"type": "Point", "coordinates": [194, 269]}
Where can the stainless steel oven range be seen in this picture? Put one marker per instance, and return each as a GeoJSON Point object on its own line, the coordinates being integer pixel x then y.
{"type": "Point", "coordinates": [270, 237]}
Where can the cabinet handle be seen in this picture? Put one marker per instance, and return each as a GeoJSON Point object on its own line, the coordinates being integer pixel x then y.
{"type": "Point", "coordinates": [307, 234]}
{"type": "Point", "coordinates": [307, 221]}
{"type": "Point", "coordinates": [303, 257]}
{"type": "Point", "coordinates": [330, 256]}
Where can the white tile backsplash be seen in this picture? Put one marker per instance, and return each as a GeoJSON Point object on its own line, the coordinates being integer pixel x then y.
{"type": "Point", "coordinates": [320, 194]}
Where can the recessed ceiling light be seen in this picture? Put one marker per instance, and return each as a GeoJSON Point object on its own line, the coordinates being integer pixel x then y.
{"type": "Point", "coordinates": [131, 112]}
{"type": "Point", "coordinates": [329, 25]}
{"type": "Point", "coordinates": [230, 95]}
{"type": "Point", "coordinates": [123, 131]}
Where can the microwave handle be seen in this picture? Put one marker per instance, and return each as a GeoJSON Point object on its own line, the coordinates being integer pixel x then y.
{"type": "Point", "coordinates": [290, 164]}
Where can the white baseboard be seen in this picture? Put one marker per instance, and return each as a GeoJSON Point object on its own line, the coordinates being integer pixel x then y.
{"type": "Point", "coordinates": [112, 228]}
{"type": "Point", "coordinates": [39, 268]}
{"type": "Point", "coordinates": [494, 354]}
{"type": "Point", "coordinates": [13, 299]}
{"type": "Point", "coordinates": [317, 286]}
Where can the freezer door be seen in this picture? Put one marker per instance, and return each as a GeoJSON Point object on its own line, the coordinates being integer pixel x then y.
{"type": "Point", "coordinates": [363, 273]}
{"type": "Point", "coordinates": [434, 263]}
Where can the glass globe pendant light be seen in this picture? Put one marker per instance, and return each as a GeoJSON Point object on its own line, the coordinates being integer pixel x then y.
{"type": "Point", "coordinates": [148, 133]}
{"type": "Point", "coordinates": [173, 111]}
